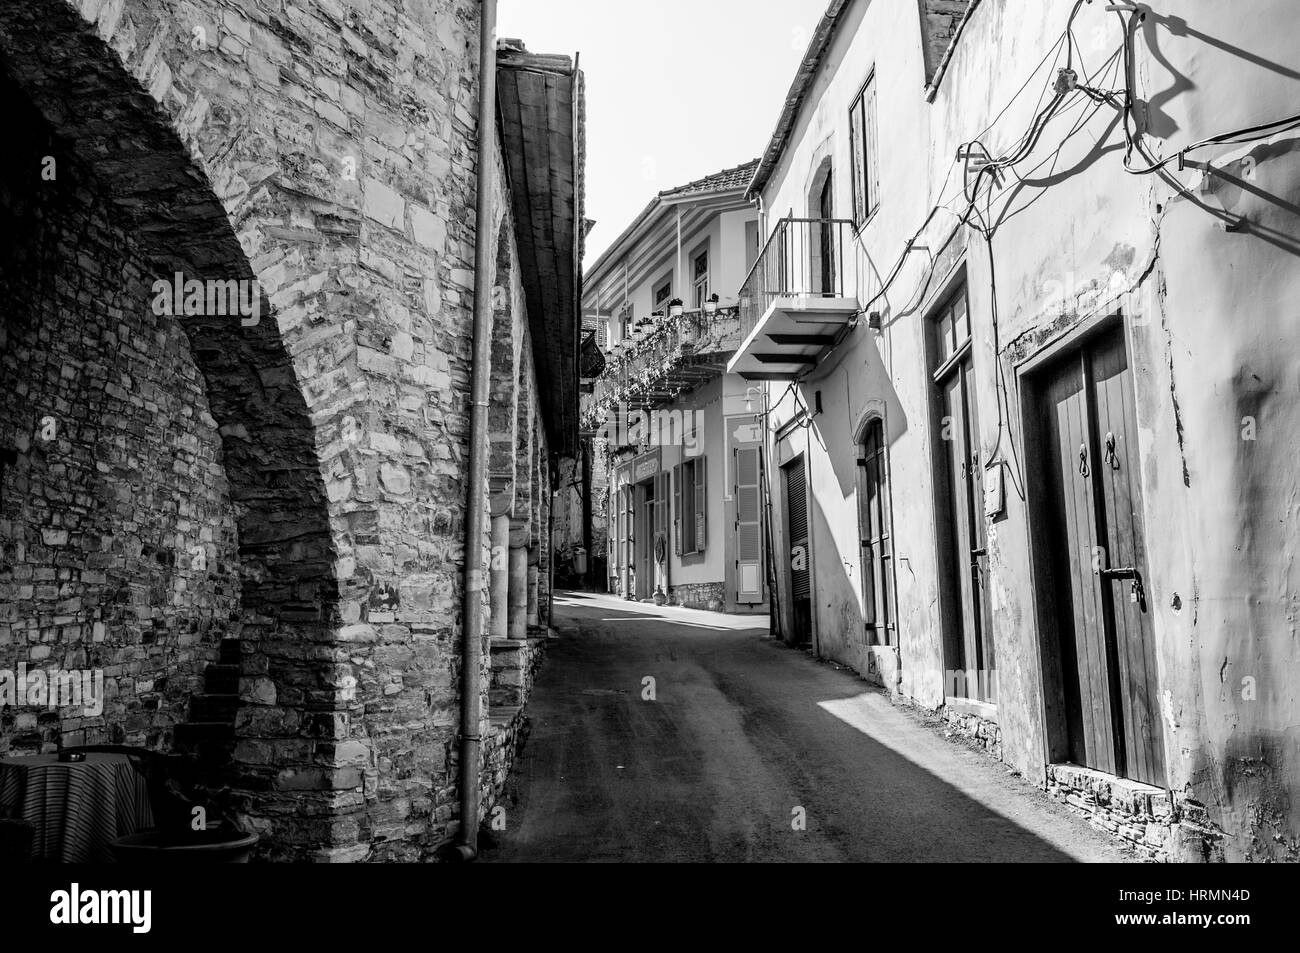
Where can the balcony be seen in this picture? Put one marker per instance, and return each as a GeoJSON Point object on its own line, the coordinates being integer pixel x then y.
{"type": "Point", "coordinates": [675, 355]}
{"type": "Point", "coordinates": [799, 300]}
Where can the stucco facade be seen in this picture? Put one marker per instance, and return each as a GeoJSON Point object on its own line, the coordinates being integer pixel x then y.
{"type": "Point", "coordinates": [1190, 273]}
{"type": "Point", "coordinates": [679, 434]}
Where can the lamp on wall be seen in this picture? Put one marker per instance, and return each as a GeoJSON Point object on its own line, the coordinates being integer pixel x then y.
{"type": "Point", "coordinates": [749, 398]}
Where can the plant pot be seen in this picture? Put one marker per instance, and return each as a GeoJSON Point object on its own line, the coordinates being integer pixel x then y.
{"type": "Point", "coordinates": [213, 846]}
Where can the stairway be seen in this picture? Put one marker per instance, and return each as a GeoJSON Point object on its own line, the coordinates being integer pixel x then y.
{"type": "Point", "coordinates": [209, 732]}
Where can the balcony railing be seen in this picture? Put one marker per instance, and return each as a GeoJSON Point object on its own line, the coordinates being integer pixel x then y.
{"type": "Point", "coordinates": [803, 257]}
{"type": "Point", "coordinates": [675, 354]}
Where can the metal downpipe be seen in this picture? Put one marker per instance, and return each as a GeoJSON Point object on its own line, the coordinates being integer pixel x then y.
{"type": "Point", "coordinates": [471, 712]}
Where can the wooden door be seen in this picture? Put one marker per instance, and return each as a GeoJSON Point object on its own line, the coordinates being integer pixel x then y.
{"type": "Point", "coordinates": [826, 238]}
{"type": "Point", "coordinates": [749, 526]}
{"type": "Point", "coordinates": [962, 533]}
{"type": "Point", "coordinates": [1104, 634]}
{"type": "Point", "coordinates": [796, 521]}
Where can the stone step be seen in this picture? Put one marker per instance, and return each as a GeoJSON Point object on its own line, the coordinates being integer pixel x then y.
{"type": "Point", "coordinates": [211, 742]}
{"type": "Point", "coordinates": [229, 653]}
{"type": "Point", "coordinates": [214, 708]}
{"type": "Point", "coordinates": [221, 679]}
{"type": "Point", "coordinates": [193, 733]}
{"type": "Point", "coordinates": [507, 697]}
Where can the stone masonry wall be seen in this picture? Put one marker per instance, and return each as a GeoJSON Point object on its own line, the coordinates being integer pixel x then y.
{"type": "Point", "coordinates": [327, 150]}
{"type": "Point", "coordinates": [117, 533]}
{"type": "Point", "coordinates": [699, 595]}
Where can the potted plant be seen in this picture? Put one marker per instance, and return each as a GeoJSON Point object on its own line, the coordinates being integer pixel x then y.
{"type": "Point", "coordinates": [675, 308]}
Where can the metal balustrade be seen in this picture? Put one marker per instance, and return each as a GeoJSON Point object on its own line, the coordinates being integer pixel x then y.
{"type": "Point", "coordinates": [803, 257]}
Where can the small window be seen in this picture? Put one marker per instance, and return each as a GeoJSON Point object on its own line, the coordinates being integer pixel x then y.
{"type": "Point", "coordinates": [862, 142]}
{"type": "Point", "coordinates": [662, 295]}
{"type": "Point", "coordinates": [700, 277]}
{"type": "Point", "coordinates": [877, 541]}
{"type": "Point", "coordinates": [950, 328]}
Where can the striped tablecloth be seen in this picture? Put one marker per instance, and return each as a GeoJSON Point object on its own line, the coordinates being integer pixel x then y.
{"type": "Point", "coordinates": [75, 808]}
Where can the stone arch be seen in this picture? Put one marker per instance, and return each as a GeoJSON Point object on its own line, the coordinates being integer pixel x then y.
{"type": "Point", "coordinates": [130, 139]}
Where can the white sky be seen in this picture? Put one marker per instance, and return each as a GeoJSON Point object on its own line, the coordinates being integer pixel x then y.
{"type": "Point", "coordinates": [676, 89]}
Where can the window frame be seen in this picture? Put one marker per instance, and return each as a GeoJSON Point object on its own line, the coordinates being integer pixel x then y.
{"type": "Point", "coordinates": [665, 283]}
{"type": "Point", "coordinates": [864, 146]}
{"type": "Point", "coordinates": [700, 296]}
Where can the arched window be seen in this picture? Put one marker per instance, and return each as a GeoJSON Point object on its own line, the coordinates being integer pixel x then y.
{"type": "Point", "coordinates": [877, 541]}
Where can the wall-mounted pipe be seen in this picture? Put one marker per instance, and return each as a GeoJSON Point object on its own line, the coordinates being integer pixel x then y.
{"type": "Point", "coordinates": [476, 525]}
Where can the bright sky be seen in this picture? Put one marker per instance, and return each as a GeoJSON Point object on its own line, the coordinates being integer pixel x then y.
{"type": "Point", "coordinates": [676, 89]}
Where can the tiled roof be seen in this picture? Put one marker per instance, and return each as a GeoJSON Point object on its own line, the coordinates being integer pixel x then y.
{"type": "Point", "coordinates": [725, 181]}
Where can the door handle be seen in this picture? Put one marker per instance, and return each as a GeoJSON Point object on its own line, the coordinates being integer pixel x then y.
{"type": "Point", "coordinates": [1083, 459]}
{"type": "Point", "coordinates": [1137, 592]}
{"type": "Point", "coordinates": [1127, 572]}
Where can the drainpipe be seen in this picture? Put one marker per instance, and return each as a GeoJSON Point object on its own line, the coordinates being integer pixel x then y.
{"type": "Point", "coordinates": [471, 707]}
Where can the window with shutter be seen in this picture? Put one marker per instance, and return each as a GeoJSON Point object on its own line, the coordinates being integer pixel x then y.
{"type": "Point", "coordinates": [701, 504]}
{"type": "Point", "coordinates": [862, 146]}
{"type": "Point", "coordinates": [677, 509]}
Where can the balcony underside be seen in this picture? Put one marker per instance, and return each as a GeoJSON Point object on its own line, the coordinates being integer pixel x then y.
{"type": "Point", "coordinates": [793, 336]}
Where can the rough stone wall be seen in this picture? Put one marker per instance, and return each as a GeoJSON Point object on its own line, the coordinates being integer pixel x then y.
{"type": "Point", "coordinates": [117, 532]}
{"type": "Point", "coordinates": [326, 150]}
{"type": "Point", "coordinates": [699, 595]}
{"type": "Point", "coordinates": [1156, 824]}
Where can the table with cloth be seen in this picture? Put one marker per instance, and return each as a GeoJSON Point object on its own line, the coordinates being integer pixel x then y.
{"type": "Point", "coordinates": [75, 808]}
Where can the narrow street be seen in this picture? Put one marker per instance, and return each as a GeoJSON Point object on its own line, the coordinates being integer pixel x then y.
{"type": "Point", "coordinates": [742, 732]}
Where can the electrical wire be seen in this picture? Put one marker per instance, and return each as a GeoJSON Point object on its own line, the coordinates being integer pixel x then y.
{"type": "Point", "coordinates": [1133, 140]}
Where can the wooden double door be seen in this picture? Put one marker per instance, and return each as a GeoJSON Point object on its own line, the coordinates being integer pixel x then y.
{"type": "Point", "coordinates": [1093, 544]}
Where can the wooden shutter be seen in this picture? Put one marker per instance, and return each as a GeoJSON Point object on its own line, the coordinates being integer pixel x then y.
{"type": "Point", "coordinates": [701, 505]}
{"type": "Point", "coordinates": [677, 509]}
{"type": "Point", "coordinates": [858, 168]}
{"type": "Point", "coordinates": [749, 527]}
{"type": "Point", "coordinates": [661, 508]}
{"type": "Point", "coordinates": [872, 160]}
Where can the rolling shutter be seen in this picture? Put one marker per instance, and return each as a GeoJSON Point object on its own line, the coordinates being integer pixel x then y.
{"type": "Point", "coordinates": [796, 506]}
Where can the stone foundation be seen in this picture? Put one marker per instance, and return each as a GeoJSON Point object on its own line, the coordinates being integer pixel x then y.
{"type": "Point", "coordinates": [1155, 824]}
{"type": "Point", "coordinates": [514, 668]}
{"type": "Point", "coordinates": [970, 722]}
{"type": "Point", "coordinates": [700, 595]}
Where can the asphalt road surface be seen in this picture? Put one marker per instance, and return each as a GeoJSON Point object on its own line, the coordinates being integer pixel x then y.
{"type": "Point", "coordinates": [749, 751]}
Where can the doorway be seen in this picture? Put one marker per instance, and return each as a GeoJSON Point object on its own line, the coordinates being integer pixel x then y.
{"type": "Point", "coordinates": [644, 517]}
{"type": "Point", "coordinates": [959, 486]}
{"type": "Point", "coordinates": [1092, 549]}
{"type": "Point", "coordinates": [794, 478]}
